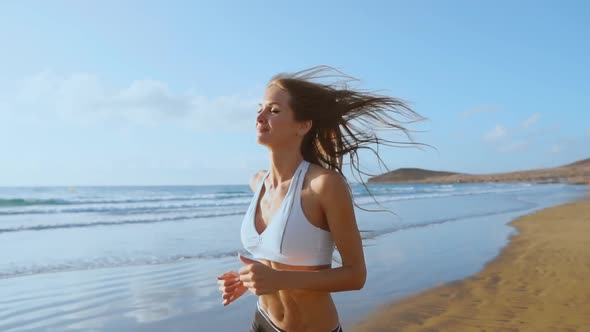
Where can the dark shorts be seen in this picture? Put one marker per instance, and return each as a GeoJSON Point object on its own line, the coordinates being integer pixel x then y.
{"type": "Point", "coordinates": [263, 323]}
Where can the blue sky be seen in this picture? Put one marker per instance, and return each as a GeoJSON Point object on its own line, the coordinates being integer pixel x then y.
{"type": "Point", "coordinates": [165, 93]}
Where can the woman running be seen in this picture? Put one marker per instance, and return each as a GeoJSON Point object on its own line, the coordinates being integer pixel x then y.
{"type": "Point", "coordinates": [302, 207]}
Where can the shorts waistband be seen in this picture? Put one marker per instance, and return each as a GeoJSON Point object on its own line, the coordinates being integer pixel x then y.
{"type": "Point", "coordinates": [267, 318]}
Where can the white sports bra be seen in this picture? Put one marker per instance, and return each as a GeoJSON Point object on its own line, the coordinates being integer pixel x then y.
{"type": "Point", "coordinates": [289, 238]}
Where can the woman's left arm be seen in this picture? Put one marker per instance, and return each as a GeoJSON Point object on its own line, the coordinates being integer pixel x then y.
{"type": "Point", "coordinates": [336, 203]}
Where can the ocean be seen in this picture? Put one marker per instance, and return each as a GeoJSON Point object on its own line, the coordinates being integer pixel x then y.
{"type": "Point", "coordinates": [146, 258]}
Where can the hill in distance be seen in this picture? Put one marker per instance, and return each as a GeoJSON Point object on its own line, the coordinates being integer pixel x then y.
{"type": "Point", "coordinates": [575, 173]}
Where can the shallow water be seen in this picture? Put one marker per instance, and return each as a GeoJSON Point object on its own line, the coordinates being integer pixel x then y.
{"type": "Point", "coordinates": [146, 258]}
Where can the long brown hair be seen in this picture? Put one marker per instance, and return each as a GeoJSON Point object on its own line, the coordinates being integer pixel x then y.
{"type": "Point", "coordinates": [344, 120]}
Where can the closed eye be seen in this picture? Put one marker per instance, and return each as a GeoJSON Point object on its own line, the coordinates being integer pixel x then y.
{"type": "Point", "coordinates": [274, 111]}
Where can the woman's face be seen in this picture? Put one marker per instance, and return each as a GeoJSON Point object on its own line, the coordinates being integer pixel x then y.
{"type": "Point", "coordinates": [275, 123]}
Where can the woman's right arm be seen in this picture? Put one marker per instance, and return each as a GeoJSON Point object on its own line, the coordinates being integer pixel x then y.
{"type": "Point", "coordinates": [229, 283]}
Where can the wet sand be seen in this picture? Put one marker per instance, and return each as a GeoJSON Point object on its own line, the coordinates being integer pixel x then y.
{"type": "Point", "coordinates": [420, 249]}
{"type": "Point", "coordinates": [539, 282]}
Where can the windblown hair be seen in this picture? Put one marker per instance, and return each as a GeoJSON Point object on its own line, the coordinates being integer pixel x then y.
{"type": "Point", "coordinates": [344, 120]}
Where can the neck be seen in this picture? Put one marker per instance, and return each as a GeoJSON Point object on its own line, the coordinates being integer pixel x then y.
{"type": "Point", "coordinates": [283, 165]}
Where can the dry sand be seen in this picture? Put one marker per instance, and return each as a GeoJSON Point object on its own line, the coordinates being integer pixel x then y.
{"type": "Point", "coordinates": [539, 282]}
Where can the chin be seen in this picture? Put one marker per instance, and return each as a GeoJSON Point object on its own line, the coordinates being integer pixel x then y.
{"type": "Point", "coordinates": [261, 140]}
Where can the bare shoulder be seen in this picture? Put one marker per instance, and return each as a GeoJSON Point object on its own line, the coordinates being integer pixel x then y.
{"type": "Point", "coordinates": [333, 196]}
{"type": "Point", "coordinates": [327, 182]}
{"type": "Point", "coordinates": [255, 179]}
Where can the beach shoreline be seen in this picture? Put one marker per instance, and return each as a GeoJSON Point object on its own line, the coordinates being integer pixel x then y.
{"type": "Point", "coordinates": [536, 283]}
{"type": "Point", "coordinates": [96, 271]}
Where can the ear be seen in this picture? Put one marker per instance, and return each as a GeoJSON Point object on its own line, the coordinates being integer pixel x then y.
{"type": "Point", "coordinates": [304, 127]}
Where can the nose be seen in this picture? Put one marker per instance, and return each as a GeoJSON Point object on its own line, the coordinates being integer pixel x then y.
{"type": "Point", "coordinates": [260, 118]}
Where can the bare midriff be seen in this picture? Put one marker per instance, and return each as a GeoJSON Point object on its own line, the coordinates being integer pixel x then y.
{"type": "Point", "coordinates": [300, 310]}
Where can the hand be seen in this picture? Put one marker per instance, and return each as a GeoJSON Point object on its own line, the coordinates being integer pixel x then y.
{"type": "Point", "coordinates": [258, 278]}
{"type": "Point", "coordinates": [231, 287]}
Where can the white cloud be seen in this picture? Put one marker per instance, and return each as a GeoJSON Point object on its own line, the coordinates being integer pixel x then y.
{"type": "Point", "coordinates": [84, 98]}
{"type": "Point", "coordinates": [496, 134]}
{"type": "Point", "coordinates": [531, 120]}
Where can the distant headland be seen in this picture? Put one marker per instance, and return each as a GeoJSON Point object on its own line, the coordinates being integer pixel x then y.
{"type": "Point", "coordinates": [574, 173]}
